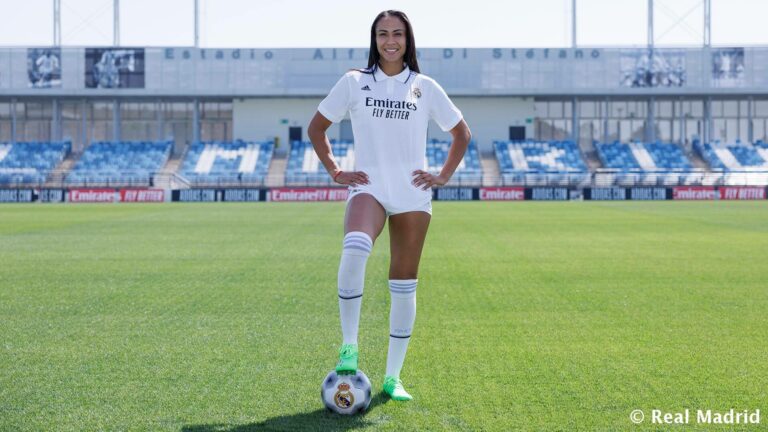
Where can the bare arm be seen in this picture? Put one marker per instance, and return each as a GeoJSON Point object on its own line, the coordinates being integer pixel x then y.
{"type": "Point", "coordinates": [316, 132]}
{"type": "Point", "coordinates": [461, 137]}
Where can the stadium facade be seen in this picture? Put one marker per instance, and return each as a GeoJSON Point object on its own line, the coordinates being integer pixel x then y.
{"type": "Point", "coordinates": [188, 123]}
{"type": "Point", "coordinates": [191, 94]}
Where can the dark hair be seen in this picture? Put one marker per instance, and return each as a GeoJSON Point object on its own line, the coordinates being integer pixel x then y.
{"type": "Point", "coordinates": [410, 43]}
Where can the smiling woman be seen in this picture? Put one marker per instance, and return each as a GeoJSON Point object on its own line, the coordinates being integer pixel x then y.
{"type": "Point", "coordinates": [390, 104]}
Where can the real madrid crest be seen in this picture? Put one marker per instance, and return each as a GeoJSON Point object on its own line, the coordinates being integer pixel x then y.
{"type": "Point", "coordinates": [416, 92]}
{"type": "Point", "coordinates": [343, 397]}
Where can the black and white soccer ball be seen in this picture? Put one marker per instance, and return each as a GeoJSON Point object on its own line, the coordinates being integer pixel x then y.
{"type": "Point", "coordinates": [346, 394]}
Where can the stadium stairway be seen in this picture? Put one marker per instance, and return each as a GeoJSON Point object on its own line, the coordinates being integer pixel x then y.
{"type": "Point", "coordinates": [56, 179]}
{"type": "Point", "coordinates": [166, 178]}
{"type": "Point", "coordinates": [696, 160]}
{"type": "Point", "coordinates": [592, 160]}
{"type": "Point", "coordinates": [491, 175]}
{"type": "Point", "coordinates": [276, 173]}
{"type": "Point", "coordinates": [589, 154]}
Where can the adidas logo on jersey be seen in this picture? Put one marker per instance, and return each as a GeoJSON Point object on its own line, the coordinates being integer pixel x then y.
{"type": "Point", "coordinates": [366, 88]}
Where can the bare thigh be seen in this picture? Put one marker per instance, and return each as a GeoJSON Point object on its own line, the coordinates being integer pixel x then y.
{"type": "Point", "coordinates": [365, 214]}
{"type": "Point", "coordinates": [407, 232]}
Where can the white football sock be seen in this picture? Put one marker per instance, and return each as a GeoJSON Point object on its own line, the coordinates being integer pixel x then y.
{"type": "Point", "coordinates": [402, 314]}
{"type": "Point", "coordinates": [357, 248]}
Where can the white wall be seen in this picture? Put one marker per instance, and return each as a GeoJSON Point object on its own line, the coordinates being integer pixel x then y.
{"type": "Point", "coordinates": [261, 119]}
{"type": "Point", "coordinates": [489, 118]}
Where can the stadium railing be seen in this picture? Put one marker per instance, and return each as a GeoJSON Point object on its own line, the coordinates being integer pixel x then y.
{"type": "Point", "coordinates": [30, 164]}
{"type": "Point", "coordinates": [119, 164]}
{"type": "Point", "coordinates": [303, 168]}
{"type": "Point", "coordinates": [738, 156]}
{"type": "Point", "coordinates": [468, 173]}
{"type": "Point", "coordinates": [538, 163]}
{"type": "Point", "coordinates": [226, 163]}
{"type": "Point", "coordinates": [226, 174]}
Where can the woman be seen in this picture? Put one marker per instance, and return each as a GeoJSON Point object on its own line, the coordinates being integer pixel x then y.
{"type": "Point", "coordinates": [390, 104]}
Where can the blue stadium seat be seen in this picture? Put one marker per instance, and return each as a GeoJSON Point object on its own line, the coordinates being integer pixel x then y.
{"type": "Point", "coordinates": [643, 157]}
{"type": "Point", "coordinates": [618, 156]}
{"type": "Point", "coordinates": [734, 157]}
{"type": "Point", "coordinates": [30, 163]}
{"type": "Point", "coordinates": [304, 167]}
{"type": "Point", "coordinates": [120, 163]}
{"type": "Point", "coordinates": [469, 172]}
{"type": "Point", "coordinates": [668, 157]}
{"type": "Point", "coordinates": [227, 163]}
{"type": "Point", "coordinates": [540, 162]}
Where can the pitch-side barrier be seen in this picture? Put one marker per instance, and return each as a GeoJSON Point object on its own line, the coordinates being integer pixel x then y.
{"type": "Point", "coordinates": [313, 194]}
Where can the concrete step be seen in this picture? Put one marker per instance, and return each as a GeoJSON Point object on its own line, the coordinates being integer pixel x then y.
{"type": "Point", "coordinates": [59, 173]}
{"type": "Point", "coordinates": [276, 173]}
{"type": "Point", "coordinates": [696, 159]}
{"type": "Point", "coordinates": [164, 179]}
{"type": "Point", "coordinates": [490, 166]}
{"type": "Point", "coordinates": [593, 161]}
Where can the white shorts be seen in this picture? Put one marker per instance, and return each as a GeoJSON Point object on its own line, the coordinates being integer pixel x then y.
{"type": "Point", "coordinates": [390, 208]}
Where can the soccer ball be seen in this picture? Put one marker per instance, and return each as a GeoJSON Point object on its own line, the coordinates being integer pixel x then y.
{"type": "Point", "coordinates": [346, 394]}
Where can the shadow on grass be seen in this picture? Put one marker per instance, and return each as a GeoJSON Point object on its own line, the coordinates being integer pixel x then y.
{"type": "Point", "coordinates": [321, 419]}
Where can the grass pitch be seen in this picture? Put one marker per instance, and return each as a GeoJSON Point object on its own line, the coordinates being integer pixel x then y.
{"type": "Point", "coordinates": [531, 316]}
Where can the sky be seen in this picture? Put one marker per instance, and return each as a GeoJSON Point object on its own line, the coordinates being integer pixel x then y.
{"type": "Point", "coordinates": [346, 23]}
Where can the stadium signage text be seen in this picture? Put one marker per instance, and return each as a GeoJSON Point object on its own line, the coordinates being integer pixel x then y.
{"type": "Point", "coordinates": [648, 194]}
{"type": "Point", "coordinates": [453, 194]}
{"type": "Point", "coordinates": [549, 194]}
{"type": "Point", "coordinates": [362, 54]}
{"type": "Point", "coordinates": [242, 195]}
{"type": "Point", "coordinates": [694, 193]}
{"type": "Point", "coordinates": [742, 193]}
{"type": "Point", "coordinates": [502, 194]}
{"type": "Point", "coordinates": [622, 194]}
{"type": "Point", "coordinates": [92, 195]}
{"type": "Point", "coordinates": [545, 54]}
{"type": "Point", "coordinates": [194, 195]}
{"type": "Point", "coordinates": [51, 195]}
{"type": "Point", "coordinates": [308, 194]}
{"type": "Point", "coordinates": [219, 54]}
{"type": "Point", "coordinates": [16, 195]}
{"type": "Point", "coordinates": [608, 194]}
{"type": "Point", "coordinates": [102, 195]}
{"type": "Point", "coordinates": [142, 195]}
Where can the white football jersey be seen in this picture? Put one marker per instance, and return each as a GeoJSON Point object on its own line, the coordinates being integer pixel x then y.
{"type": "Point", "coordinates": [390, 115]}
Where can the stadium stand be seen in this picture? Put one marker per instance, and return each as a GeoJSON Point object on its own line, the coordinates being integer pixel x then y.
{"type": "Point", "coordinates": [540, 162]}
{"type": "Point", "coordinates": [652, 157]}
{"type": "Point", "coordinates": [227, 163]}
{"type": "Point", "coordinates": [669, 157]}
{"type": "Point", "coordinates": [304, 167]}
{"type": "Point", "coordinates": [734, 157]}
{"type": "Point", "coordinates": [468, 173]}
{"type": "Point", "coordinates": [119, 163]}
{"type": "Point", "coordinates": [647, 164]}
{"type": "Point", "coordinates": [27, 163]}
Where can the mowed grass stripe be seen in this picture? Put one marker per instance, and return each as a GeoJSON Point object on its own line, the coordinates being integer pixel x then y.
{"type": "Point", "coordinates": [533, 316]}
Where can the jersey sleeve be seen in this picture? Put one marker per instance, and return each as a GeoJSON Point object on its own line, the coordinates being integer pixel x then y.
{"type": "Point", "coordinates": [442, 110]}
{"type": "Point", "coordinates": [335, 106]}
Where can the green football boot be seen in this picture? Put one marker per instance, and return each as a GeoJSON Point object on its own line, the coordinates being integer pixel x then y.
{"type": "Point", "coordinates": [394, 388]}
{"type": "Point", "coordinates": [347, 364]}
